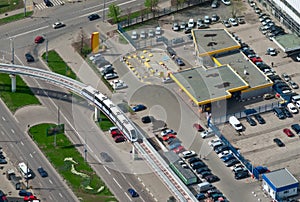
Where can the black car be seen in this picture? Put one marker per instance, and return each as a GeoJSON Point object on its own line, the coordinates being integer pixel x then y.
{"type": "Point", "coordinates": [206, 173]}
{"type": "Point", "coordinates": [42, 172]}
{"type": "Point", "coordinates": [187, 30]}
{"type": "Point", "coordinates": [212, 178]}
{"type": "Point", "coordinates": [221, 149]}
{"type": "Point", "coordinates": [231, 162]}
{"type": "Point", "coordinates": [48, 3]}
{"type": "Point", "coordinates": [2, 156]}
{"type": "Point", "coordinates": [29, 57]}
{"type": "Point", "coordinates": [286, 112]}
{"type": "Point", "coordinates": [23, 192]}
{"type": "Point", "coordinates": [193, 160]}
{"type": "Point", "coordinates": [296, 128]}
{"type": "Point", "coordinates": [171, 52]}
{"type": "Point", "coordinates": [250, 121]}
{"type": "Point", "coordinates": [278, 142]}
{"type": "Point", "coordinates": [241, 175]}
{"type": "Point", "coordinates": [93, 17]}
{"type": "Point", "coordinates": [279, 113]}
{"type": "Point", "coordinates": [179, 62]}
{"type": "Point", "coordinates": [200, 170]}
{"type": "Point", "coordinates": [259, 119]}
{"type": "Point", "coordinates": [146, 119]}
{"type": "Point", "coordinates": [3, 161]}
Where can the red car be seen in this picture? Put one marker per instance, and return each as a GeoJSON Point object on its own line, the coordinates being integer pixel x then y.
{"type": "Point", "coordinates": [198, 127]}
{"type": "Point", "coordinates": [30, 198]}
{"type": "Point", "coordinates": [119, 138]}
{"type": "Point", "coordinates": [165, 138]}
{"type": "Point", "coordinates": [115, 133]}
{"type": "Point", "coordinates": [39, 39]}
{"type": "Point", "coordinates": [179, 149]}
{"type": "Point", "coordinates": [256, 59]}
{"type": "Point", "coordinates": [288, 132]}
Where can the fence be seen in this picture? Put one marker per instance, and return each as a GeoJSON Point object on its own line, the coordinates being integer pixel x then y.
{"type": "Point", "coordinates": [242, 114]}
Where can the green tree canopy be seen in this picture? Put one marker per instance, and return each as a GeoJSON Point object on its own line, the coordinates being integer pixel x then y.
{"type": "Point", "coordinates": [114, 12]}
{"type": "Point", "coordinates": [150, 4]}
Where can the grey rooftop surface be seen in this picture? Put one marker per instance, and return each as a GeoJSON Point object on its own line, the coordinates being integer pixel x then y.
{"type": "Point", "coordinates": [288, 42]}
{"type": "Point", "coordinates": [209, 84]}
{"type": "Point", "coordinates": [239, 63]}
{"type": "Point", "coordinates": [281, 178]}
{"type": "Point", "coordinates": [213, 39]}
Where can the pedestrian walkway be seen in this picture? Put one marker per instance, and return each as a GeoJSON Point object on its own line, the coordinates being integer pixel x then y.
{"type": "Point", "coordinates": [41, 6]}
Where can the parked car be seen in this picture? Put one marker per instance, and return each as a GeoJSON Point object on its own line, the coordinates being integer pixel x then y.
{"type": "Point", "coordinates": [279, 113]}
{"type": "Point", "coordinates": [215, 4]}
{"type": "Point", "coordinates": [241, 175]}
{"type": "Point", "coordinates": [271, 51]}
{"type": "Point", "coordinates": [227, 157]}
{"type": "Point", "coordinates": [146, 119]}
{"type": "Point", "coordinates": [286, 77]}
{"type": "Point", "coordinates": [42, 172]}
{"type": "Point", "coordinates": [296, 128]}
{"type": "Point", "coordinates": [57, 25]}
{"type": "Point", "coordinates": [169, 136]}
{"type": "Point", "coordinates": [134, 35]}
{"type": "Point", "coordinates": [111, 76]}
{"type": "Point", "coordinates": [179, 62]}
{"type": "Point", "coordinates": [198, 127]}
{"type": "Point", "coordinates": [200, 196]}
{"type": "Point", "coordinates": [176, 27]}
{"type": "Point", "coordinates": [278, 142]}
{"type": "Point", "coordinates": [93, 16]}
{"type": "Point", "coordinates": [29, 57]}
{"type": "Point", "coordinates": [191, 23]}
{"type": "Point", "coordinates": [215, 18]}
{"type": "Point", "coordinates": [187, 30]}
{"type": "Point", "coordinates": [24, 192]}
{"type": "Point", "coordinates": [133, 193]}
{"type": "Point", "coordinates": [211, 178]}
{"type": "Point", "coordinates": [292, 108]}
{"type": "Point", "coordinates": [151, 33]}
{"type": "Point", "coordinates": [259, 119]}
{"type": "Point", "coordinates": [139, 107]}
{"type": "Point", "coordinates": [226, 2]}
{"type": "Point", "coordinates": [193, 160]}
{"type": "Point", "coordinates": [119, 138]}
{"type": "Point", "coordinates": [183, 25]}
{"type": "Point", "coordinates": [286, 112]}
{"type": "Point", "coordinates": [233, 21]}
{"type": "Point", "coordinates": [203, 169]}
{"type": "Point", "coordinates": [268, 96]}
{"type": "Point", "coordinates": [3, 161]}
{"type": "Point", "coordinates": [224, 153]}
{"type": "Point", "coordinates": [251, 121]}
{"type": "Point", "coordinates": [226, 24]}
{"type": "Point", "coordinates": [294, 85]}
{"type": "Point", "coordinates": [231, 162]}
{"type": "Point", "coordinates": [171, 52]}
{"type": "Point", "coordinates": [143, 34]}
{"type": "Point", "coordinates": [288, 132]}
{"type": "Point", "coordinates": [188, 154]}
{"type": "Point", "coordinates": [158, 31]}
{"type": "Point", "coordinates": [167, 131]}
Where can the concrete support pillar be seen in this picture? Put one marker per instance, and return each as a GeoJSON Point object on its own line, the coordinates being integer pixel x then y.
{"type": "Point", "coordinates": [96, 114]}
{"type": "Point", "coordinates": [13, 82]}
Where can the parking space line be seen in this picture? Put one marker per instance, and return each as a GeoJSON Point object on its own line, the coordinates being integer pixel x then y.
{"type": "Point", "coordinates": [60, 195]}
{"type": "Point", "coordinates": [50, 181]}
{"type": "Point", "coordinates": [12, 130]}
{"type": "Point", "coordinates": [117, 183]}
{"type": "Point", "coordinates": [106, 170]}
{"type": "Point", "coordinates": [30, 155]}
{"type": "Point", "coordinates": [127, 196]}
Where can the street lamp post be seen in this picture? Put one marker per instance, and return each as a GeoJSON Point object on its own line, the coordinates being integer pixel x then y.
{"type": "Point", "coordinates": [24, 8]}
{"type": "Point", "coordinates": [46, 39]}
{"type": "Point", "coordinates": [12, 46]}
{"type": "Point", "coordinates": [103, 17]}
{"type": "Point", "coordinates": [58, 119]}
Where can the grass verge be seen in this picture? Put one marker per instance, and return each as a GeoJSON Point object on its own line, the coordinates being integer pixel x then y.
{"type": "Point", "coordinates": [58, 65]}
{"type": "Point", "coordinates": [85, 185]}
{"type": "Point", "coordinates": [22, 97]}
{"type": "Point", "coordinates": [105, 123]}
{"type": "Point", "coordinates": [16, 17]}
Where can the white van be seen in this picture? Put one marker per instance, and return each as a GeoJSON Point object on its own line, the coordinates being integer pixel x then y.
{"type": "Point", "coordinates": [236, 124]}
{"type": "Point", "coordinates": [191, 23]}
{"type": "Point", "coordinates": [204, 186]}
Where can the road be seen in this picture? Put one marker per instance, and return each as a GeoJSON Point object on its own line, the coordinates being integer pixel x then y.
{"type": "Point", "coordinates": [122, 172]}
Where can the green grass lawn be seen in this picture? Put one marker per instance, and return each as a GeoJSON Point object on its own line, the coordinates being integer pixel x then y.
{"type": "Point", "coordinates": [104, 122]}
{"type": "Point", "coordinates": [22, 97]}
{"type": "Point", "coordinates": [10, 5]}
{"type": "Point", "coordinates": [65, 149]}
{"type": "Point", "coordinates": [16, 17]}
{"type": "Point", "coordinates": [57, 65]}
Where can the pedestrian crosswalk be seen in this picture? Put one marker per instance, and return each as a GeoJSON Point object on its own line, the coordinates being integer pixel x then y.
{"type": "Point", "coordinates": [42, 6]}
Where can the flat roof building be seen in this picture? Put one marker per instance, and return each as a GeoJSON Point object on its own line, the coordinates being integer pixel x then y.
{"type": "Point", "coordinates": [280, 184]}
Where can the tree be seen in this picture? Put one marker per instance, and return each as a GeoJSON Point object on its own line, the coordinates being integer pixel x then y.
{"type": "Point", "coordinates": [128, 14]}
{"type": "Point", "coordinates": [150, 4]}
{"type": "Point", "coordinates": [114, 12]}
{"type": "Point", "coordinates": [177, 3]}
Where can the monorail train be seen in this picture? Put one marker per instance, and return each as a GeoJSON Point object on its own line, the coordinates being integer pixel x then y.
{"type": "Point", "coordinates": [112, 111]}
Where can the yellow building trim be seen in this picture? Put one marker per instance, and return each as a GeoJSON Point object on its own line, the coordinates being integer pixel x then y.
{"type": "Point", "coordinates": [220, 50]}
{"type": "Point", "coordinates": [258, 87]}
{"type": "Point", "coordinates": [215, 99]}
{"type": "Point", "coordinates": [184, 89]}
{"type": "Point", "coordinates": [238, 88]}
{"type": "Point", "coordinates": [216, 61]}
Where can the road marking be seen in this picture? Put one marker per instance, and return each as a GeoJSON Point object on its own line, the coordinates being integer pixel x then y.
{"type": "Point", "coordinates": [30, 155]}
{"type": "Point", "coordinates": [127, 196]}
{"type": "Point", "coordinates": [50, 181]}
{"type": "Point", "coordinates": [22, 143]}
{"type": "Point", "coordinates": [142, 199]}
{"type": "Point", "coordinates": [2, 132]}
{"type": "Point", "coordinates": [60, 195]}
{"type": "Point", "coordinates": [12, 130]}
{"type": "Point", "coordinates": [106, 170]}
{"type": "Point", "coordinates": [31, 31]}
{"type": "Point", "coordinates": [3, 118]}
{"type": "Point", "coordinates": [117, 183]}
{"type": "Point", "coordinates": [123, 175]}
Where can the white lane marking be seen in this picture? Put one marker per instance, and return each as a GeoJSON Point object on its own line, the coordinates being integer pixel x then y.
{"type": "Point", "coordinates": [50, 181]}
{"type": "Point", "coordinates": [127, 196]}
{"type": "Point", "coordinates": [30, 155]}
{"type": "Point", "coordinates": [123, 175]}
{"type": "Point", "coordinates": [22, 143]}
{"type": "Point", "coordinates": [12, 130]}
{"type": "Point", "coordinates": [31, 31]}
{"type": "Point", "coordinates": [2, 132]}
{"type": "Point", "coordinates": [3, 118]}
{"type": "Point", "coordinates": [106, 170]}
{"type": "Point", "coordinates": [142, 199]}
{"type": "Point", "coordinates": [117, 183]}
{"type": "Point", "coordinates": [60, 195]}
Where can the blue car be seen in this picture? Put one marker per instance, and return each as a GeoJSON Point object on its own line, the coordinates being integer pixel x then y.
{"type": "Point", "coordinates": [139, 107]}
{"type": "Point", "coordinates": [23, 192]}
{"type": "Point", "coordinates": [227, 157]}
{"type": "Point", "coordinates": [200, 196]}
{"type": "Point", "coordinates": [133, 193]}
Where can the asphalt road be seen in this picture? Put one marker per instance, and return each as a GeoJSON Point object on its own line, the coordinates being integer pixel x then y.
{"type": "Point", "coordinates": [117, 175]}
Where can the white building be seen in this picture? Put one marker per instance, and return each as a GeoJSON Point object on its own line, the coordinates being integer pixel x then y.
{"type": "Point", "coordinates": [280, 184]}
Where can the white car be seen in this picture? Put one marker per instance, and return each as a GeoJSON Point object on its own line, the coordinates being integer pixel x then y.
{"type": "Point", "coordinates": [118, 84]}
{"type": "Point", "coordinates": [211, 142]}
{"type": "Point", "coordinates": [95, 57]}
{"type": "Point", "coordinates": [111, 76]}
{"type": "Point", "coordinates": [176, 27]}
{"type": "Point", "coordinates": [298, 104]}
{"type": "Point", "coordinates": [143, 34]}
{"type": "Point", "coordinates": [167, 131]}
{"type": "Point", "coordinates": [167, 80]}
{"type": "Point", "coordinates": [224, 153]}
{"type": "Point", "coordinates": [158, 31]}
{"type": "Point", "coordinates": [191, 23]}
{"type": "Point", "coordinates": [151, 33]}
{"type": "Point", "coordinates": [226, 2]}
{"type": "Point", "coordinates": [207, 133]}
{"type": "Point", "coordinates": [58, 25]}
{"type": "Point", "coordinates": [207, 19]}
{"type": "Point", "coordinates": [188, 154]}
{"type": "Point", "coordinates": [233, 21]}
{"type": "Point", "coordinates": [292, 108]}
{"type": "Point", "coordinates": [134, 35]}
